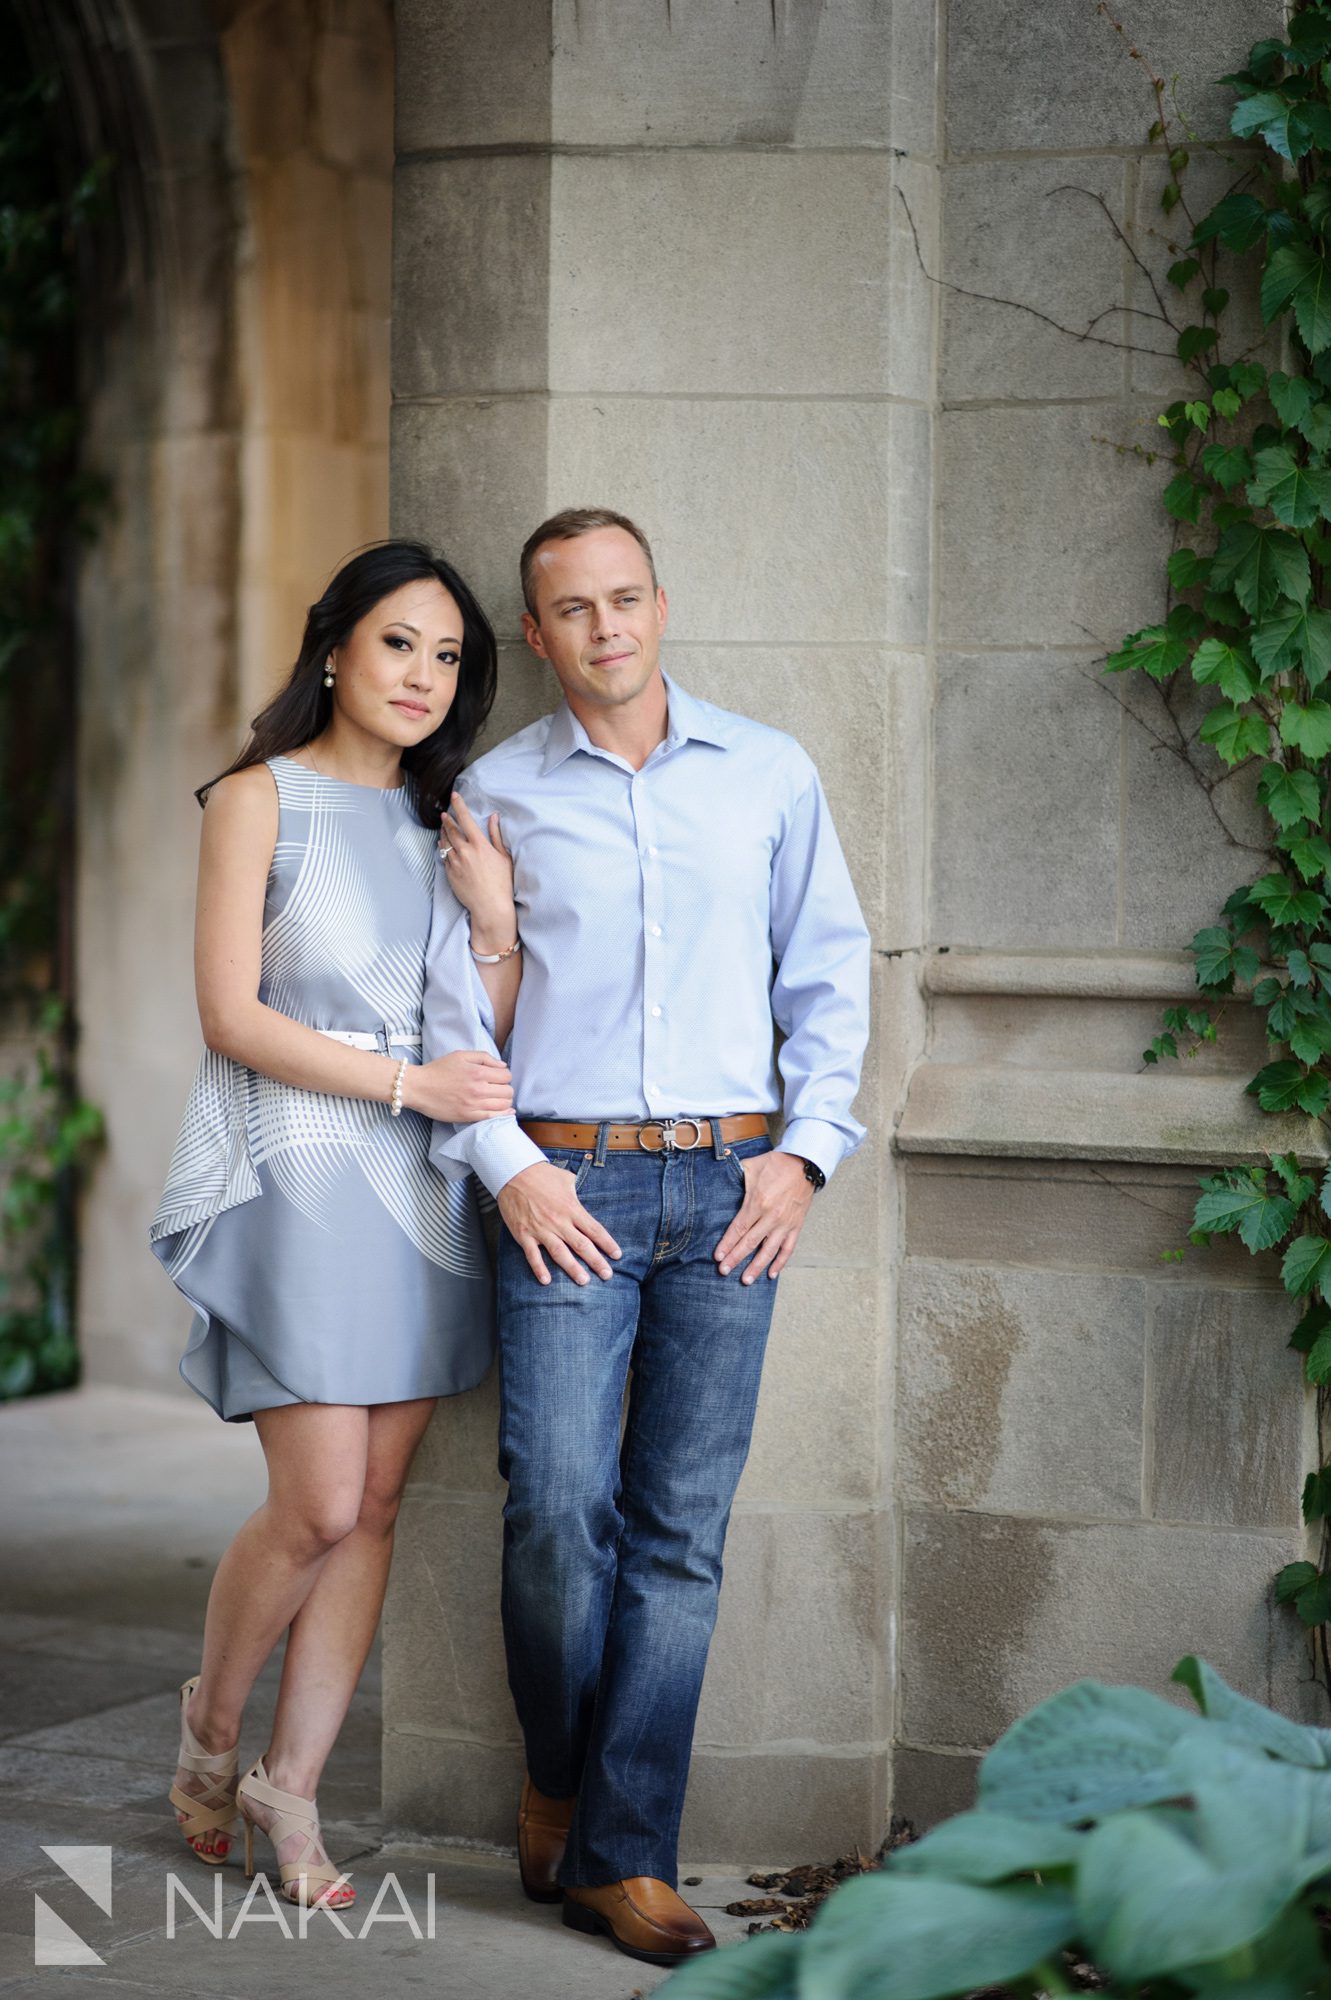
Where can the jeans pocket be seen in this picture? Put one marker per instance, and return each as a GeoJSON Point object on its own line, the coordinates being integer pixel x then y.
{"type": "Point", "coordinates": [734, 1159]}
{"type": "Point", "coordinates": [577, 1164]}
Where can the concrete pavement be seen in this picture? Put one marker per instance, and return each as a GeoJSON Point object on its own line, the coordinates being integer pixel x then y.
{"type": "Point", "coordinates": [114, 1507]}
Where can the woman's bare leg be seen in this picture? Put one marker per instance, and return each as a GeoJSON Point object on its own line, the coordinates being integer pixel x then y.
{"type": "Point", "coordinates": [333, 1630]}
{"type": "Point", "coordinates": [316, 1455]}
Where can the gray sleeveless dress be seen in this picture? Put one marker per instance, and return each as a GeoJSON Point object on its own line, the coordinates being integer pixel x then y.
{"type": "Point", "coordinates": [326, 1260]}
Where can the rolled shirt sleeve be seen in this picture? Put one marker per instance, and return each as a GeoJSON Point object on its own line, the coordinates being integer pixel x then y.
{"type": "Point", "coordinates": [457, 1015]}
{"type": "Point", "coordinates": [820, 993]}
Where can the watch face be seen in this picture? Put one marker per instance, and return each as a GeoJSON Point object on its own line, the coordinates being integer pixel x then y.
{"type": "Point", "coordinates": [814, 1174]}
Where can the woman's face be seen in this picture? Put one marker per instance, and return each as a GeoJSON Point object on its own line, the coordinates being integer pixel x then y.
{"type": "Point", "coordinates": [396, 676]}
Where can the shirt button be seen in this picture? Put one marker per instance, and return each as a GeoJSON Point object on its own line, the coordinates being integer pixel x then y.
{"type": "Point", "coordinates": [656, 1013]}
{"type": "Point", "coordinates": [656, 930]}
{"type": "Point", "coordinates": [653, 850]}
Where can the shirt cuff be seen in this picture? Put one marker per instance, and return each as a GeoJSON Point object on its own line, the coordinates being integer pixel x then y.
{"type": "Point", "coordinates": [813, 1139]}
{"type": "Point", "coordinates": [501, 1149]}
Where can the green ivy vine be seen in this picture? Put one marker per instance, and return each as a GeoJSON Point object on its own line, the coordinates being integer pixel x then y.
{"type": "Point", "coordinates": [48, 504]}
{"type": "Point", "coordinates": [1250, 616]}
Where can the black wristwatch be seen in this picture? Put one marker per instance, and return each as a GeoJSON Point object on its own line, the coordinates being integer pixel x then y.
{"type": "Point", "coordinates": [814, 1174]}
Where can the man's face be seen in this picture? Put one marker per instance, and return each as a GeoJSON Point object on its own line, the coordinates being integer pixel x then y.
{"type": "Point", "coordinates": [598, 618]}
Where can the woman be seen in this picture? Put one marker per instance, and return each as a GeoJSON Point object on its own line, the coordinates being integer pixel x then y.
{"type": "Point", "coordinates": [340, 1284]}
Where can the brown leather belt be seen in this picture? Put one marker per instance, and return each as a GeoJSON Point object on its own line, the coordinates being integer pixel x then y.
{"type": "Point", "coordinates": [648, 1135]}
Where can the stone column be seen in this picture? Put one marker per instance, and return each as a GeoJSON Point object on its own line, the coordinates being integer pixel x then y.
{"type": "Point", "coordinates": [660, 258]}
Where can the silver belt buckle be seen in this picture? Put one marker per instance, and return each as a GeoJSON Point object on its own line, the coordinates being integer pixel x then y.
{"type": "Point", "coordinates": [670, 1139]}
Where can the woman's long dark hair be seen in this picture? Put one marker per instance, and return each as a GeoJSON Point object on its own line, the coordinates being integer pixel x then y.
{"type": "Point", "coordinates": [301, 709]}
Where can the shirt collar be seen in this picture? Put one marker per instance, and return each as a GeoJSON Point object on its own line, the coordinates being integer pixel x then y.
{"type": "Point", "coordinates": [688, 720]}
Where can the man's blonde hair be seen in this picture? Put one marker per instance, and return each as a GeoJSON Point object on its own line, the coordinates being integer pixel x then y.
{"type": "Point", "coordinates": [564, 527]}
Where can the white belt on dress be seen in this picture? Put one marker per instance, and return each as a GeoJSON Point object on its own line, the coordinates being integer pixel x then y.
{"type": "Point", "coordinates": [358, 1039]}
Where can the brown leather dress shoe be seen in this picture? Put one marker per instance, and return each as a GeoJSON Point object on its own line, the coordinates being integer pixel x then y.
{"type": "Point", "coordinates": [643, 1917]}
{"type": "Point", "coordinates": [542, 1837]}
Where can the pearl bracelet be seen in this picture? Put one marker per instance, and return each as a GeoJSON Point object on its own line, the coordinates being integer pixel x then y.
{"type": "Point", "coordinates": [395, 1101]}
{"type": "Point", "coordinates": [495, 957]}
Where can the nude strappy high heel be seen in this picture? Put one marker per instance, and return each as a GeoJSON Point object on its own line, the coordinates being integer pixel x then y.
{"type": "Point", "coordinates": [214, 1809]}
{"type": "Point", "coordinates": [303, 1880]}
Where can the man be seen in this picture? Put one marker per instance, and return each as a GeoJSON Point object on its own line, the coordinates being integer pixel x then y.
{"type": "Point", "coordinates": [680, 892]}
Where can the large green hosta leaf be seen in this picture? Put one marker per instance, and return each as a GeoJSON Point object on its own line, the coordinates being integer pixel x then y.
{"type": "Point", "coordinates": [1295, 1742]}
{"type": "Point", "coordinates": [988, 1847]}
{"type": "Point", "coordinates": [1155, 1895]}
{"type": "Point", "coordinates": [762, 1968]}
{"type": "Point", "coordinates": [913, 1937]}
{"type": "Point", "coordinates": [1088, 1751]}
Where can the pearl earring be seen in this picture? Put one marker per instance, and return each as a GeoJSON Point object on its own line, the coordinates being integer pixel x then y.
{"type": "Point", "coordinates": [328, 673]}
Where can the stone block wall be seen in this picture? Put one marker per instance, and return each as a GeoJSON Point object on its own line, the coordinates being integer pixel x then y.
{"type": "Point", "coordinates": [691, 293]}
{"type": "Point", "coordinates": [1099, 1452]}
{"type": "Point", "coordinates": [758, 276]}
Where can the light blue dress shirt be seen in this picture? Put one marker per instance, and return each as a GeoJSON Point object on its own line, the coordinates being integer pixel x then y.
{"type": "Point", "coordinates": [670, 917]}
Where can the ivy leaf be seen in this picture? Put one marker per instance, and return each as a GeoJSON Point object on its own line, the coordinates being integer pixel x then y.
{"type": "Point", "coordinates": [1227, 402]}
{"type": "Point", "coordinates": [1293, 397]}
{"type": "Point", "coordinates": [1317, 202]}
{"type": "Point", "coordinates": [1181, 274]}
{"type": "Point", "coordinates": [1283, 1086]}
{"type": "Point", "coordinates": [1307, 1262]}
{"type": "Point", "coordinates": [1316, 119]}
{"type": "Point", "coordinates": [1314, 1320]}
{"type": "Point", "coordinates": [1305, 726]}
{"type": "Point", "coordinates": [1281, 903]}
{"type": "Point", "coordinates": [1195, 340]}
{"type": "Point", "coordinates": [1282, 1011]}
{"type": "Point", "coordinates": [1297, 494]}
{"type": "Point", "coordinates": [1317, 1492]}
{"type": "Point", "coordinates": [1234, 735]}
{"type": "Point", "coordinates": [1263, 564]}
{"type": "Point", "coordinates": [1239, 221]}
{"type": "Point", "coordinates": [1317, 1364]}
{"type": "Point", "coordinates": [1198, 415]}
{"type": "Point", "coordinates": [1228, 668]}
{"type": "Point", "coordinates": [1261, 1219]}
{"type": "Point", "coordinates": [1300, 972]}
{"type": "Point", "coordinates": [1296, 274]}
{"type": "Point", "coordinates": [1214, 300]}
{"type": "Point", "coordinates": [1297, 1185]}
{"type": "Point", "coordinates": [1313, 1602]}
{"type": "Point", "coordinates": [1316, 426]}
{"type": "Point", "coordinates": [1213, 949]}
{"type": "Point", "coordinates": [1219, 959]}
{"type": "Point", "coordinates": [1310, 35]}
{"type": "Point", "coordinates": [1187, 569]}
{"type": "Point", "coordinates": [1183, 498]}
{"type": "Point", "coordinates": [1223, 608]}
{"type": "Point", "coordinates": [1152, 650]}
{"type": "Point", "coordinates": [1294, 635]}
{"type": "Point", "coordinates": [1268, 113]}
{"type": "Point", "coordinates": [1248, 377]}
{"type": "Point", "coordinates": [1293, 1578]}
{"type": "Point", "coordinates": [1310, 1037]}
{"type": "Point", "coordinates": [1227, 464]}
{"type": "Point", "coordinates": [1311, 855]}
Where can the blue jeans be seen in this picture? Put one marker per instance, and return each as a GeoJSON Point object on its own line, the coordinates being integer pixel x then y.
{"type": "Point", "coordinates": [612, 1551]}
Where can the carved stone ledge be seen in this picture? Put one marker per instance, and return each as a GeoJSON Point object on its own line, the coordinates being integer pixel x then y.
{"type": "Point", "coordinates": [991, 1109]}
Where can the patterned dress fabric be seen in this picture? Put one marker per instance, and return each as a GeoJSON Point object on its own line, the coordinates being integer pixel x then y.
{"type": "Point", "coordinates": [326, 1259]}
